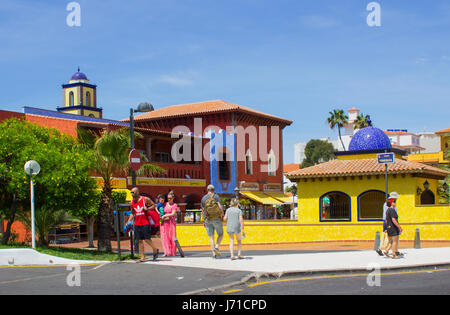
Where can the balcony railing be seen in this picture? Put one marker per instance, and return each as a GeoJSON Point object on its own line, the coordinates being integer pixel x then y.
{"type": "Point", "coordinates": [180, 170]}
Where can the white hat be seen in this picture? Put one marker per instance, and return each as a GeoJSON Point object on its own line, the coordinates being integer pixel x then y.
{"type": "Point", "coordinates": [394, 195]}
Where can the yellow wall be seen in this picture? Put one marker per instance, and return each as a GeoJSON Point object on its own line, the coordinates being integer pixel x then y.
{"type": "Point", "coordinates": [76, 91]}
{"type": "Point", "coordinates": [89, 112]}
{"type": "Point", "coordinates": [363, 156]}
{"type": "Point", "coordinates": [433, 221]}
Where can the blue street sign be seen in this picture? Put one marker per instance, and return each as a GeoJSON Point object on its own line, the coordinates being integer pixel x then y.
{"type": "Point", "coordinates": [386, 158]}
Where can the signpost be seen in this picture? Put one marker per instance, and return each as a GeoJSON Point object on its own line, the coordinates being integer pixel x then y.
{"type": "Point", "coordinates": [386, 158]}
{"type": "Point", "coordinates": [32, 168]}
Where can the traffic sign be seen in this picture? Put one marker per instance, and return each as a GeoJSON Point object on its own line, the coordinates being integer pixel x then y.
{"type": "Point", "coordinates": [386, 158]}
{"type": "Point", "coordinates": [135, 160]}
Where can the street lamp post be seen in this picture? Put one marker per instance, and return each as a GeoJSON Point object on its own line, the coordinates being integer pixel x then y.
{"type": "Point", "coordinates": [32, 168]}
{"type": "Point", "coordinates": [142, 108]}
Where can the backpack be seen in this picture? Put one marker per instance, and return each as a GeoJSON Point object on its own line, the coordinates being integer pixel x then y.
{"type": "Point", "coordinates": [212, 208]}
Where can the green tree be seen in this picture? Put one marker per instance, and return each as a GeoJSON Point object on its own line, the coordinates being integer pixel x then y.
{"type": "Point", "coordinates": [111, 150]}
{"type": "Point", "coordinates": [317, 151]}
{"type": "Point", "coordinates": [337, 119]}
{"type": "Point", "coordinates": [362, 121]}
{"type": "Point", "coordinates": [63, 184]}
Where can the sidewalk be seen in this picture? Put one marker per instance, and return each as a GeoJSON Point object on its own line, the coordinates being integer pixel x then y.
{"type": "Point", "coordinates": [314, 262]}
{"type": "Point", "coordinates": [28, 257]}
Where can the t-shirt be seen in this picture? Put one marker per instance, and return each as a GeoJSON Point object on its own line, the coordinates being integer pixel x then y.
{"type": "Point", "coordinates": [140, 215]}
{"type": "Point", "coordinates": [160, 207]}
{"type": "Point", "coordinates": [392, 229]}
{"type": "Point", "coordinates": [233, 224]}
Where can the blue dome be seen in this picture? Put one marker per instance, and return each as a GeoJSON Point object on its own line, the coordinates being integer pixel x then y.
{"type": "Point", "coordinates": [369, 138]}
{"type": "Point", "coordinates": [79, 76]}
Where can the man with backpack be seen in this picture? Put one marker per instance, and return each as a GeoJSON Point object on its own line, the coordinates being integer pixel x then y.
{"type": "Point", "coordinates": [212, 212]}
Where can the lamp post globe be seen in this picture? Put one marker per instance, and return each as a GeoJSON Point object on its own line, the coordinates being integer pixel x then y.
{"type": "Point", "coordinates": [32, 168]}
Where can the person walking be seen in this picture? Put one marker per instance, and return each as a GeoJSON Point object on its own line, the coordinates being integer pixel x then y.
{"type": "Point", "coordinates": [168, 227]}
{"type": "Point", "coordinates": [384, 239]}
{"type": "Point", "coordinates": [393, 229]}
{"type": "Point", "coordinates": [212, 212]}
{"type": "Point", "coordinates": [235, 225]}
{"type": "Point", "coordinates": [141, 224]}
{"type": "Point", "coordinates": [153, 216]}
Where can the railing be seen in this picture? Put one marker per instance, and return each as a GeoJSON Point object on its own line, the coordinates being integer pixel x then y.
{"type": "Point", "coordinates": [180, 170]}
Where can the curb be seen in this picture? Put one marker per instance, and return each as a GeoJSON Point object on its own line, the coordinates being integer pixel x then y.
{"type": "Point", "coordinates": [256, 276]}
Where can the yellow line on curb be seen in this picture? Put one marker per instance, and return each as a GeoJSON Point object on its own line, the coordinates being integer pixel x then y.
{"type": "Point", "coordinates": [342, 276]}
{"type": "Point", "coordinates": [47, 266]}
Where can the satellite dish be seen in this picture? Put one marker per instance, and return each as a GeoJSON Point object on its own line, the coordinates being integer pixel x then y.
{"type": "Point", "coordinates": [32, 168]}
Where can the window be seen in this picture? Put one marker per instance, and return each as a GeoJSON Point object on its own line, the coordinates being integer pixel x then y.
{"type": "Point", "coordinates": [248, 163]}
{"type": "Point", "coordinates": [370, 205]}
{"type": "Point", "coordinates": [334, 206]}
{"type": "Point", "coordinates": [224, 165]}
{"type": "Point", "coordinates": [427, 198]}
{"type": "Point", "coordinates": [71, 99]}
{"type": "Point", "coordinates": [271, 164]}
{"type": "Point", "coordinates": [162, 157]}
{"type": "Point", "coordinates": [88, 99]}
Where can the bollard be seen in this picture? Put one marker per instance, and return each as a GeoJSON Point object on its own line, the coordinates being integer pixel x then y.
{"type": "Point", "coordinates": [377, 240]}
{"type": "Point", "coordinates": [417, 239]}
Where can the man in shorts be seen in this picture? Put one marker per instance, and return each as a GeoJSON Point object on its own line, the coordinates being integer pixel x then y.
{"type": "Point", "coordinates": [215, 223]}
{"type": "Point", "coordinates": [141, 224]}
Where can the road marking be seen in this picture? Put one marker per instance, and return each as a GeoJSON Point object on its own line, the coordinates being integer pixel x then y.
{"type": "Point", "coordinates": [342, 276]}
{"type": "Point", "coordinates": [232, 291]}
{"type": "Point", "coordinates": [47, 266]}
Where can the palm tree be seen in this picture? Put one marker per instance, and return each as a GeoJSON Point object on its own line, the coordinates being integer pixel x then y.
{"type": "Point", "coordinates": [339, 119]}
{"type": "Point", "coordinates": [112, 150]}
{"type": "Point", "coordinates": [362, 121]}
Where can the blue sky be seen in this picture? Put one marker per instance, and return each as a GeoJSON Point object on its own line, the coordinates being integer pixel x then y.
{"type": "Point", "coordinates": [291, 58]}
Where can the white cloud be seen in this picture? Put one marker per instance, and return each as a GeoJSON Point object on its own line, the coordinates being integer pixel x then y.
{"type": "Point", "coordinates": [178, 80]}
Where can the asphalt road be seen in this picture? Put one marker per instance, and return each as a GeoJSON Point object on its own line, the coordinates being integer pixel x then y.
{"type": "Point", "coordinates": [131, 279]}
{"type": "Point", "coordinates": [403, 282]}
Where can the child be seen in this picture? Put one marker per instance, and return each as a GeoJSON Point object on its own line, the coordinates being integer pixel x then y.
{"type": "Point", "coordinates": [160, 205]}
{"type": "Point", "coordinates": [235, 223]}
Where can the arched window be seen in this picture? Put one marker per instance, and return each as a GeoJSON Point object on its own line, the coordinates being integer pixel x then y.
{"type": "Point", "coordinates": [271, 164]}
{"type": "Point", "coordinates": [88, 99]}
{"type": "Point", "coordinates": [334, 206]}
{"type": "Point", "coordinates": [370, 205]}
{"type": "Point", "coordinates": [224, 165]}
{"type": "Point", "coordinates": [71, 99]}
{"type": "Point", "coordinates": [427, 198]}
{"type": "Point", "coordinates": [248, 163]}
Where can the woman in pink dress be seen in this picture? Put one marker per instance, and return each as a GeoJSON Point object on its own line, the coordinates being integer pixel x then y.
{"type": "Point", "coordinates": [168, 227]}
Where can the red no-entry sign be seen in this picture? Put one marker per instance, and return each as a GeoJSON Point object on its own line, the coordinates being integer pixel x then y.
{"type": "Point", "coordinates": [135, 160]}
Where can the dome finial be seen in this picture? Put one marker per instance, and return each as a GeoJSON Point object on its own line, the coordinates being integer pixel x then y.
{"type": "Point", "coordinates": [78, 68]}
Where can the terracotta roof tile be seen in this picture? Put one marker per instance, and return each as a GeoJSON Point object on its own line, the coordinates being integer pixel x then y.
{"type": "Point", "coordinates": [287, 168]}
{"type": "Point", "coordinates": [207, 107]}
{"type": "Point", "coordinates": [337, 168]}
{"type": "Point", "coordinates": [443, 131]}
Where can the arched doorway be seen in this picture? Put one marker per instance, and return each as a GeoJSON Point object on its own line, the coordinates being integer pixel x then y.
{"type": "Point", "coordinates": [370, 205]}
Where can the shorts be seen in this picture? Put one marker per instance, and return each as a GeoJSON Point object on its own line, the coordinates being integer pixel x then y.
{"type": "Point", "coordinates": [154, 230]}
{"type": "Point", "coordinates": [212, 225]}
{"type": "Point", "coordinates": [142, 232]}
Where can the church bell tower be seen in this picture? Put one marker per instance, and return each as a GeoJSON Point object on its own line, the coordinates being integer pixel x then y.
{"type": "Point", "coordinates": [80, 97]}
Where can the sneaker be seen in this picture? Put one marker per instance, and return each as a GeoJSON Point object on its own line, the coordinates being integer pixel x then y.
{"type": "Point", "coordinates": [216, 251]}
{"type": "Point", "coordinates": [155, 255]}
{"type": "Point", "coordinates": [379, 252]}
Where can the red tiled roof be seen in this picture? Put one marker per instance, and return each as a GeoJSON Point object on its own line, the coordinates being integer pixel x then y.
{"type": "Point", "coordinates": [207, 107]}
{"type": "Point", "coordinates": [287, 168]}
{"type": "Point", "coordinates": [397, 133]}
{"type": "Point", "coordinates": [443, 131]}
{"type": "Point", "coordinates": [337, 168]}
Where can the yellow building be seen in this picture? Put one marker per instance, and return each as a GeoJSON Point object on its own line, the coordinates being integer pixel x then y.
{"type": "Point", "coordinates": [435, 158]}
{"type": "Point", "coordinates": [343, 199]}
{"type": "Point", "coordinates": [80, 97]}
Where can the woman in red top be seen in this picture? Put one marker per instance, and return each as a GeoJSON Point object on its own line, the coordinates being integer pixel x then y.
{"type": "Point", "coordinates": [141, 224]}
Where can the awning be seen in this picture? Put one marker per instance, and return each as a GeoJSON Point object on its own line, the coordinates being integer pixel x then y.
{"type": "Point", "coordinates": [261, 198]}
{"type": "Point", "coordinates": [280, 196]}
